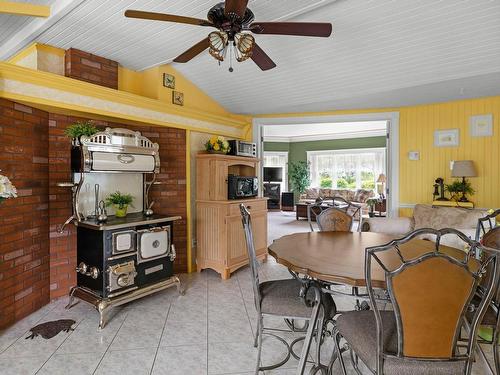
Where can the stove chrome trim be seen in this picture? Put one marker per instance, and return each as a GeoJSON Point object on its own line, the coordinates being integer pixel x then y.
{"type": "Point", "coordinates": [106, 226]}
{"type": "Point", "coordinates": [132, 247]}
{"type": "Point", "coordinates": [102, 305]}
{"type": "Point", "coordinates": [167, 229]}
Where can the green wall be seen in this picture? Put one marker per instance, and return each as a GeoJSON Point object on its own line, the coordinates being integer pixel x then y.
{"type": "Point", "coordinates": [297, 151]}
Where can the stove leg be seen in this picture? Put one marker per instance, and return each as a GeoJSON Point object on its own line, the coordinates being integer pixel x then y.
{"type": "Point", "coordinates": [102, 307]}
{"type": "Point", "coordinates": [71, 298]}
{"type": "Point", "coordinates": [177, 283]}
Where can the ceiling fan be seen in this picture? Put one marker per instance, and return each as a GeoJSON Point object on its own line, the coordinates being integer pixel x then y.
{"type": "Point", "coordinates": [234, 21]}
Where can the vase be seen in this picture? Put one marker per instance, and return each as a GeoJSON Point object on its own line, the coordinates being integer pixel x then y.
{"type": "Point", "coordinates": [121, 211]}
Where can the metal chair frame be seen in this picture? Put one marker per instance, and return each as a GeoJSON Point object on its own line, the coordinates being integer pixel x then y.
{"type": "Point", "coordinates": [371, 253]}
{"type": "Point", "coordinates": [495, 302]}
{"type": "Point", "coordinates": [316, 315]}
{"type": "Point", "coordinates": [490, 219]}
{"type": "Point", "coordinates": [318, 210]}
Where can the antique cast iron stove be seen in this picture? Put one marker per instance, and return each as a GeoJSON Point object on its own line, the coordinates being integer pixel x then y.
{"type": "Point", "coordinates": [119, 259]}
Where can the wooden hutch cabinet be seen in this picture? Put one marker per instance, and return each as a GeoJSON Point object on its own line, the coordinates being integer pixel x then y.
{"type": "Point", "coordinates": [220, 238]}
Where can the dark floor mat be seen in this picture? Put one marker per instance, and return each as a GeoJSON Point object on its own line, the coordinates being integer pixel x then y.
{"type": "Point", "coordinates": [50, 329]}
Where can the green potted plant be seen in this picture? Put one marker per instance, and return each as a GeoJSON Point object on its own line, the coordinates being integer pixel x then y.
{"type": "Point", "coordinates": [120, 202]}
{"type": "Point", "coordinates": [79, 128]}
{"type": "Point", "coordinates": [300, 176]}
{"type": "Point", "coordinates": [371, 202]}
{"type": "Point", "coordinates": [457, 187]}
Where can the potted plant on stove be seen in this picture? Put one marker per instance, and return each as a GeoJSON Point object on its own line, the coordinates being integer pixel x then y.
{"type": "Point", "coordinates": [7, 190]}
{"type": "Point", "coordinates": [79, 128]}
{"type": "Point", "coordinates": [120, 202]}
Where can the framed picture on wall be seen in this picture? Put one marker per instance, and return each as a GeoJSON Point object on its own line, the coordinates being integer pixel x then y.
{"type": "Point", "coordinates": [481, 126]}
{"type": "Point", "coordinates": [446, 138]}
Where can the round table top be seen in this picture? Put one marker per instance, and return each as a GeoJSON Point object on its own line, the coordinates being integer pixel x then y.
{"type": "Point", "coordinates": [339, 257]}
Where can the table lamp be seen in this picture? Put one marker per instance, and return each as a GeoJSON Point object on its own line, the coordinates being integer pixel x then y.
{"type": "Point", "coordinates": [463, 168]}
{"type": "Point", "coordinates": [382, 180]}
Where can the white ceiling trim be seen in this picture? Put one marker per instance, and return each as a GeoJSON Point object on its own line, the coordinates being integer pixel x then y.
{"type": "Point", "coordinates": [29, 33]}
{"type": "Point", "coordinates": [326, 137]}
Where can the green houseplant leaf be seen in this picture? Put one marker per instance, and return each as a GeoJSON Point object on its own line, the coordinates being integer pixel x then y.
{"type": "Point", "coordinates": [120, 200]}
{"type": "Point", "coordinates": [80, 128]}
{"type": "Point", "coordinates": [300, 176]}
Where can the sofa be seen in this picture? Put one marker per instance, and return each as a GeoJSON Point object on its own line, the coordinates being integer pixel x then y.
{"type": "Point", "coordinates": [425, 216]}
{"type": "Point", "coordinates": [357, 197]}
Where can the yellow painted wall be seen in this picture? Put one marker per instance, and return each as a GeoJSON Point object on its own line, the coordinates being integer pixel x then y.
{"type": "Point", "coordinates": [149, 83]}
{"type": "Point", "coordinates": [417, 126]}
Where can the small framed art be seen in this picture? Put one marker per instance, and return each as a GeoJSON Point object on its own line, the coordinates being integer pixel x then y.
{"type": "Point", "coordinates": [169, 81]}
{"type": "Point", "coordinates": [481, 125]}
{"type": "Point", "coordinates": [446, 138]}
{"type": "Point", "coordinates": [177, 98]}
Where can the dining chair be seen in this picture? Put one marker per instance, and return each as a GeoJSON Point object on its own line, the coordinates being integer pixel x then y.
{"type": "Point", "coordinates": [491, 319]}
{"type": "Point", "coordinates": [430, 291]}
{"type": "Point", "coordinates": [486, 223]}
{"type": "Point", "coordinates": [313, 211]}
{"type": "Point", "coordinates": [350, 208]}
{"type": "Point", "coordinates": [288, 299]}
{"type": "Point", "coordinates": [334, 219]}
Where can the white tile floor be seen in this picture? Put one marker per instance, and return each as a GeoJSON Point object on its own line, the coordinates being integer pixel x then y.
{"type": "Point", "coordinates": [207, 331]}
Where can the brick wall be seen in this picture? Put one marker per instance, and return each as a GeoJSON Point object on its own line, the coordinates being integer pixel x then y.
{"type": "Point", "coordinates": [91, 68]}
{"type": "Point", "coordinates": [170, 197]}
{"type": "Point", "coordinates": [24, 230]}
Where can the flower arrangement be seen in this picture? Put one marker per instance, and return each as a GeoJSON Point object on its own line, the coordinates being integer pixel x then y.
{"type": "Point", "coordinates": [7, 190]}
{"type": "Point", "coordinates": [79, 128]}
{"type": "Point", "coordinates": [120, 202]}
{"type": "Point", "coordinates": [217, 145]}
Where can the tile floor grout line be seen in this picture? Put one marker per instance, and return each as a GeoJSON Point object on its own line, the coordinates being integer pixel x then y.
{"type": "Point", "coordinates": [161, 336]}
{"type": "Point", "coordinates": [26, 331]}
{"type": "Point", "coordinates": [111, 343]}
{"type": "Point", "coordinates": [54, 352]}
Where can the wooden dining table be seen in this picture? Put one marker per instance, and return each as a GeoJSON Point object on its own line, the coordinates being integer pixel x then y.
{"type": "Point", "coordinates": [339, 257]}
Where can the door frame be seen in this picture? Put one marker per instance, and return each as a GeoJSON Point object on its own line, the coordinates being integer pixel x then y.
{"type": "Point", "coordinates": [392, 119]}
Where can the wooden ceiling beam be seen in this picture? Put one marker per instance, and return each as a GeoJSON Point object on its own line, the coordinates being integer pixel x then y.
{"type": "Point", "coordinates": [24, 9]}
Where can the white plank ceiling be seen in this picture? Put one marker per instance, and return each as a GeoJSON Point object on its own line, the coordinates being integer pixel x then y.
{"type": "Point", "coordinates": [382, 52]}
{"type": "Point", "coordinates": [10, 24]}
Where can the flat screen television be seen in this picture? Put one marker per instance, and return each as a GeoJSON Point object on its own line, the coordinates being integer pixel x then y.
{"type": "Point", "coordinates": [273, 174]}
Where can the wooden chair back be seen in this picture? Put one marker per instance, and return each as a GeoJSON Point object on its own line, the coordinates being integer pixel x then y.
{"type": "Point", "coordinates": [430, 295]}
{"type": "Point", "coordinates": [334, 220]}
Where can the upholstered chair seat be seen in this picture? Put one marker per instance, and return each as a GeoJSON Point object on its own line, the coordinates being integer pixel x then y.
{"type": "Point", "coordinates": [359, 329]}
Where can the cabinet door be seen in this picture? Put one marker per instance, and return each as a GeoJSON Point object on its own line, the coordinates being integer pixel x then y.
{"type": "Point", "coordinates": [218, 192]}
{"type": "Point", "coordinates": [236, 243]}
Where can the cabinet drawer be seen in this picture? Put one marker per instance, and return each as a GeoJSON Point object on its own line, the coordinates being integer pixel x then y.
{"type": "Point", "coordinates": [258, 205]}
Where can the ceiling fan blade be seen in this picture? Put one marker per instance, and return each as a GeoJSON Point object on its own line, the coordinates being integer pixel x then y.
{"type": "Point", "coordinates": [193, 51]}
{"type": "Point", "coordinates": [261, 59]}
{"type": "Point", "coordinates": [166, 17]}
{"type": "Point", "coordinates": [237, 7]}
{"type": "Point", "coordinates": [292, 28]}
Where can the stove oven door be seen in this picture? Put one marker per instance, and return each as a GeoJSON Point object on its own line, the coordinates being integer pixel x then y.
{"type": "Point", "coordinates": [153, 244]}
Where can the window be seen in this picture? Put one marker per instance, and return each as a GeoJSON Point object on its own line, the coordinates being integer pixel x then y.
{"type": "Point", "coordinates": [278, 159]}
{"type": "Point", "coordinates": [346, 169]}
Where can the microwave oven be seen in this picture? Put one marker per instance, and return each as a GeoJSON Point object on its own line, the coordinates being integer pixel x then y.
{"type": "Point", "coordinates": [242, 187]}
{"type": "Point", "coordinates": [241, 148]}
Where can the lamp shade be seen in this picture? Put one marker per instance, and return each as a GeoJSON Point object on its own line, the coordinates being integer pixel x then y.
{"type": "Point", "coordinates": [463, 168]}
{"type": "Point", "coordinates": [381, 178]}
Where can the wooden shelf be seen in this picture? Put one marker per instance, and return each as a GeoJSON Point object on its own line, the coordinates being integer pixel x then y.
{"type": "Point", "coordinates": [453, 204]}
